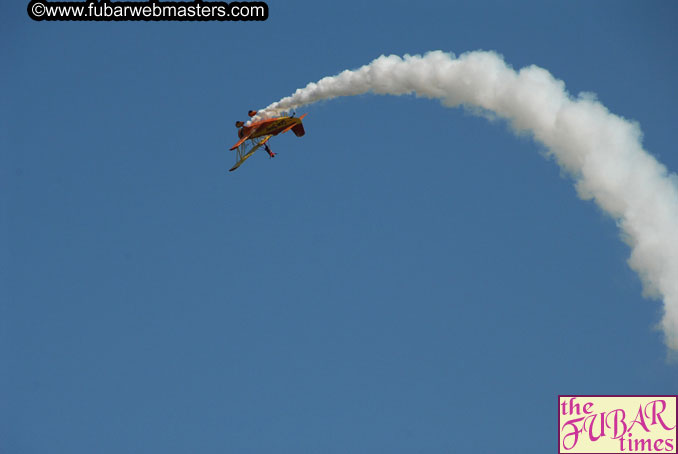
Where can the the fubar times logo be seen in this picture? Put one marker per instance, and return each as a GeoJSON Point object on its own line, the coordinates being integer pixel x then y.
{"type": "Point", "coordinates": [617, 424]}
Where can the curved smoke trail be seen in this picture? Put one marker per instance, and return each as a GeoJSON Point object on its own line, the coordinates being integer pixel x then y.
{"type": "Point", "coordinates": [600, 150]}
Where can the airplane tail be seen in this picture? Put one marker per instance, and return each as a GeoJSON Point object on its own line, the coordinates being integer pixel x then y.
{"type": "Point", "coordinates": [298, 130]}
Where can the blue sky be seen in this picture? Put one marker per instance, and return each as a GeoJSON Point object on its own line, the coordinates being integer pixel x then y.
{"type": "Point", "coordinates": [404, 278]}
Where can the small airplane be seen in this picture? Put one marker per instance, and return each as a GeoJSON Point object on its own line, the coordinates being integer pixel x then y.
{"type": "Point", "coordinates": [257, 134]}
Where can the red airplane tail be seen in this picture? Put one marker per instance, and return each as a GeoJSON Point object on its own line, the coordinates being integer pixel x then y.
{"type": "Point", "coordinates": [298, 130]}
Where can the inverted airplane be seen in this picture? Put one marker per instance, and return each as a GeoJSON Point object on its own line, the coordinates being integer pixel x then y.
{"type": "Point", "coordinates": [257, 134]}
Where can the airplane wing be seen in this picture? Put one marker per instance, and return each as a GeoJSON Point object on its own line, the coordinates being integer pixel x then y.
{"type": "Point", "coordinates": [240, 142]}
{"type": "Point", "coordinates": [243, 153]}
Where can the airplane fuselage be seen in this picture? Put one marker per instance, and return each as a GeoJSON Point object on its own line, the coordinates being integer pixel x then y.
{"type": "Point", "coordinates": [271, 126]}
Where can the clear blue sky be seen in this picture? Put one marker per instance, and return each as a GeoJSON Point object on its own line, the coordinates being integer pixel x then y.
{"type": "Point", "coordinates": [399, 280]}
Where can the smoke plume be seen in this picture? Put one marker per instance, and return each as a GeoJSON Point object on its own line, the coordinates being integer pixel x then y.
{"type": "Point", "coordinates": [601, 151]}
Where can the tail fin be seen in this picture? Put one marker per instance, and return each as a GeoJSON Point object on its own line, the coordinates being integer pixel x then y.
{"type": "Point", "coordinates": [298, 130]}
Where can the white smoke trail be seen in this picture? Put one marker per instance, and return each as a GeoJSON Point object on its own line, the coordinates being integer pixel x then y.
{"type": "Point", "coordinates": [600, 150]}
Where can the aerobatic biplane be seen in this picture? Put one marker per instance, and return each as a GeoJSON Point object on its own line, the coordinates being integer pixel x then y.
{"type": "Point", "coordinates": [257, 134]}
